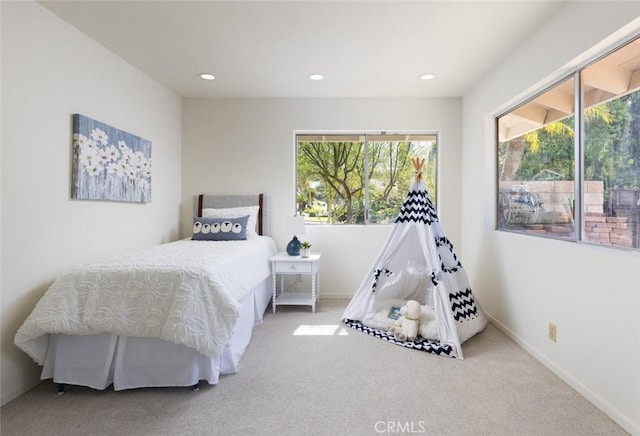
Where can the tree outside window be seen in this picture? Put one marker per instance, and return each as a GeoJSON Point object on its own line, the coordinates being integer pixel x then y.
{"type": "Point", "coordinates": [359, 178]}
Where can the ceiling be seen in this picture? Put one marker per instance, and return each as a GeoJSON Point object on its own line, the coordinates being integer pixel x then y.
{"type": "Point", "coordinates": [267, 49]}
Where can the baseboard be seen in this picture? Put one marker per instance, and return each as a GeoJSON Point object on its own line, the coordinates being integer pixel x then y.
{"type": "Point", "coordinates": [620, 419]}
{"type": "Point", "coordinates": [17, 391]}
{"type": "Point", "coordinates": [335, 295]}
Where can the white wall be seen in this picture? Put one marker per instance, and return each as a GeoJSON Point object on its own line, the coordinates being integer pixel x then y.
{"type": "Point", "coordinates": [49, 71]}
{"type": "Point", "coordinates": [247, 145]}
{"type": "Point", "coordinates": [591, 293]}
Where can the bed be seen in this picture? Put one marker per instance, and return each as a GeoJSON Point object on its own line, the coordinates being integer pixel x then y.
{"type": "Point", "coordinates": [170, 315]}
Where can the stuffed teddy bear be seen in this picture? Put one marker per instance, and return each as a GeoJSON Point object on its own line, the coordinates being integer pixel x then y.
{"type": "Point", "coordinates": [406, 327]}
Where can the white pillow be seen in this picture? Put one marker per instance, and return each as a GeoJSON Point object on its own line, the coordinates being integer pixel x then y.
{"type": "Point", "coordinates": [428, 326]}
{"type": "Point", "coordinates": [380, 320]}
{"type": "Point", "coordinates": [236, 212]}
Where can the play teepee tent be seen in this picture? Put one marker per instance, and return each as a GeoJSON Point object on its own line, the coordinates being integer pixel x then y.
{"type": "Point", "coordinates": [417, 262]}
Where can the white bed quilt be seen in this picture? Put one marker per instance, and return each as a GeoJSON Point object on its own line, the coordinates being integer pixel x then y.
{"type": "Point", "coordinates": [186, 292]}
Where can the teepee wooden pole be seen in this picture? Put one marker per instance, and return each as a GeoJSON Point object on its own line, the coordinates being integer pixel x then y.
{"type": "Point", "coordinates": [418, 164]}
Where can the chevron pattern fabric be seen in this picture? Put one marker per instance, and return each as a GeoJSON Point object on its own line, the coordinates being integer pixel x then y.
{"type": "Point", "coordinates": [434, 347]}
{"type": "Point", "coordinates": [463, 305]}
{"type": "Point", "coordinates": [443, 243]}
{"type": "Point", "coordinates": [417, 208]}
{"type": "Point", "coordinates": [376, 277]}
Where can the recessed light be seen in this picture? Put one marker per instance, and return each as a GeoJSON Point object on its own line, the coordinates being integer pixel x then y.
{"type": "Point", "coordinates": [207, 76]}
{"type": "Point", "coordinates": [315, 76]}
{"type": "Point", "coordinates": [426, 76]}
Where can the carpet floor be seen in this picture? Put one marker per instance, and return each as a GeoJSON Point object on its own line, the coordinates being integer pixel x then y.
{"type": "Point", "coordinates": [309, 374]}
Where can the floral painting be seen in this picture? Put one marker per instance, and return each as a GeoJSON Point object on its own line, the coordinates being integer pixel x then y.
{"type": "Point", "coordinates": [109, 164]}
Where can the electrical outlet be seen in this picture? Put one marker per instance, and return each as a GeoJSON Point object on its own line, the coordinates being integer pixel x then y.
{"type": "Point", "coordinates": [552, 332]}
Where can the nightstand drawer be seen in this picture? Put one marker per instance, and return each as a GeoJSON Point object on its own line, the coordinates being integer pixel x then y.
{"type": "Point", "coordinates": [293, 267]}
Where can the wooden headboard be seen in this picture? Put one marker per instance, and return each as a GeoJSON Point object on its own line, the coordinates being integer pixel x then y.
{"type": "Point", "coordinates": [222, 201]}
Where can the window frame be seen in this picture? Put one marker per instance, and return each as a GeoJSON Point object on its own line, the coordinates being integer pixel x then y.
{"type": "Point", "coordinates": [367, 134]}
{"type": "Point", "coordinates": [579, 145]}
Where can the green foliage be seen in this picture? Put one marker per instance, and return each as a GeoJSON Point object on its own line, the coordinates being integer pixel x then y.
{"type": "Point", "coordinates": [552, 154]}
{"type": "Point", "coordinates": [611, 144]}
{"type": "Point", "coordinates": [339, 167]}
{"type": "Point", "coordinates": [333, 174]}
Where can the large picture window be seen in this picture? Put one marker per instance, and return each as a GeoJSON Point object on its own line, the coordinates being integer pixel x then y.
{"type": "Point", "coordinates": [576, 178]}
{"type": "Point", "coordinates": [359, 178]}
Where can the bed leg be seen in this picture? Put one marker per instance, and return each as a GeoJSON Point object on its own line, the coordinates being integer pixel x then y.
{"type": "Point", "coordinates": [196, 387]}
{"type": "Point", "coordinates": [60, 388]}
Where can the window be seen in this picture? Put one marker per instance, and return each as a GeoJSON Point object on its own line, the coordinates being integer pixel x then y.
{"type": "Point", "coordinates": [576, 178]}
{"type": "Point", "coordinates": [359, 178]}
{"type": "Point", "coordinates": [536, 162]}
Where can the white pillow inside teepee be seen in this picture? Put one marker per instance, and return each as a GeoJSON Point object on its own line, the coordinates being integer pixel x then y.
{"type": "Point", "coordinates": [428, 327]}
{"type": "Point", "coordinates": [380, 320]}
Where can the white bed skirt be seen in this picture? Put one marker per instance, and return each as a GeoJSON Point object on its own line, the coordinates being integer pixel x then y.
{"type": "Point", "coordinates": [98, 361]}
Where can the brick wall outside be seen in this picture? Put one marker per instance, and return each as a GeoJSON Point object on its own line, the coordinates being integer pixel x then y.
{"type": "Point", "coordinates": [555, 217]}
{"type": "Point", "coordinates": [608, 230]}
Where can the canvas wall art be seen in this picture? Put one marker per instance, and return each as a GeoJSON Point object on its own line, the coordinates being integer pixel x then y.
{"type": "Point", "coordinates": [109, 164]}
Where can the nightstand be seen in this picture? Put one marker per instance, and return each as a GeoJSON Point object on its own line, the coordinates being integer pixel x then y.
{"type": "Point", "coordinates": [284, 264]}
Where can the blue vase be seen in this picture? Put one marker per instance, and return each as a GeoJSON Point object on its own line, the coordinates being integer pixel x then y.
{"type": "Point", "coordinates": [293, 247]}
